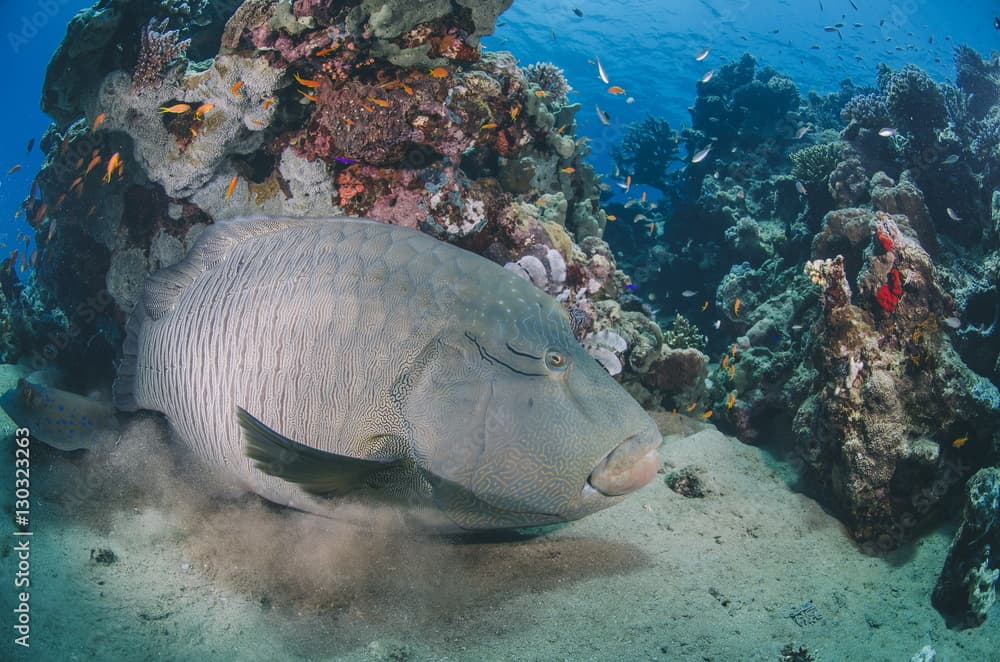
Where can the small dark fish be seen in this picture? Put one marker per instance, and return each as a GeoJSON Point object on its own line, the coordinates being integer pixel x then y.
{"type": "Point", "coordinates": [821, 5]}
{"type": "Point", "coordinates": [996, 22]}
{"type": "Point", "coordinates": [31, 145]}
{"type": "Point", "coordinates": [344, 159]}
{"type": "Point", "coordinates": [577, 12]}
{"type": "Point", "coordinates": [853, 5]}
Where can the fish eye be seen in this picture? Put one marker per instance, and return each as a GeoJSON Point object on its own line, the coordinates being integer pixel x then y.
{"type": "Point", "coordinates": [555, 361]}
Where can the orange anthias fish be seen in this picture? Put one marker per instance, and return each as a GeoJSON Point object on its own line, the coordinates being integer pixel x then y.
{"type": "Point", "coordinates": [310, 97]}
{"type": "Point", "coordinates": [438, 72]}
{"type": "Point", "coordinates": [98, 121]}
{"type": "Point", "coordinates": [730, 400]}
{"type": "Point", "coordinates": [704, 306]}
{"type": "Point", "coordinates": [691, 407]}
{"type": "Point", "coordinates": [736, 307]}
{"type": "Point", "coordinates": [232, 187]}
{"type": "Point", "coordinates": [381, 103]}
{"type": "Point", "coordinates": [203, 110]}
{"type": "Point", "coordinates": [707, 414]}
{"type": "Point", "coordinates": [489, 125]}
{"type": "Point", "coordinates": [568, 170]}
{"type": "Point", "coordinates": [615, 89]}
{"type": "Point", "coordinates": [612, 217]}
{"type": "Point", "coordinates": [514, 112]}
{"type": "Point", "coordinates": [237, 86]}
{"type": "Point", "coordinates": [176, 109]}
{"type": "Point", "coordinates": [94, 162]}
{"type": "Point", "coordinates": [958, 443]}
{"type": "Point", "coordinates": [266, 103]}
{"type": "Point", "coordinates": [306, 82]}
{"type": "Point", "coordinates": [114, 162]}
{"type": "Point", "coordinates": [541, 94]}
{"type": "Point", "coordinates": [326, 51]}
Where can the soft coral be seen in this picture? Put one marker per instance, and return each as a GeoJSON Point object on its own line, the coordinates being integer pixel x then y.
{"type": "Point", "coordinates": [888, 294]}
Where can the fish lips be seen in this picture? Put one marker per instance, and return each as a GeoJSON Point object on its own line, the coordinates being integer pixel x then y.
{"type": "Point", "coordinates": [629, 466]}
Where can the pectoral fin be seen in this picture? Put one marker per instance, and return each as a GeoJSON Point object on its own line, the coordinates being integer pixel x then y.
{"type": "Point", "coordinates": [315, 471]}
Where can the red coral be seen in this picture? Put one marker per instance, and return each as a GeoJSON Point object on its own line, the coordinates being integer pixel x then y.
{"type": "Point", "coordinates": [884, 240]}
{"type": "Point", "coordinates": [888, 294]}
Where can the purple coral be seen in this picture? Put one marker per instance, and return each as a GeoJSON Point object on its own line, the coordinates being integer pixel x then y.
{"type": "Point", "coordinates": [159, 48]}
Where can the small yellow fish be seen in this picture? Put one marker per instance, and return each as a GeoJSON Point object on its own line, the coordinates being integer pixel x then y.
{"type": "Point", "coordinates": [381, 103]}
{"type": "Point", "coordinates": [438, 72]}
{"type": "Point", "coordinates": [541, 94]}
{"type": "Point", "coordinates": [232, 187]}
{"type": "Point", "coordinates": [176, 109]}
{"type": "Point", "coordinates": [732, 350]}
{"type": "Point", "coordinates": [568, 170]}
{"type": "Point", "coordinates": [730, 400]}
{"type": "Point", "coordinates": [615, 89]}
{"type": "Point", "coordinates": [958, 443]}
{"type": "Point", "coordinates": [489, 125]}
{"type": "Point", "coordinates": [203, 110]}
{"type": "Point", "coordinates": [514, 112]}
{"type": "Point", "coordinates": [612, 217]}
{"type": "Point", "coordinates": [707, 414]}
{"type": "Point", "coordinates": [306, 82]}
{"type": "Point", "coordinates": [704, 306]}
{"type": "Point", "coordinates": [736, 307]}
{"type": "Point", "coordinates": [268, 102]}
{"type": "Point", "coordinates": [237, 86]}
{"type": "Point", "coordinates": [732, 372]}
{"type": "Point", "coordinates": [692, 406]}
{"type": "Point", "coordinates": [98, 121]}
{"type": "Point", "coordinates": [725, 361]}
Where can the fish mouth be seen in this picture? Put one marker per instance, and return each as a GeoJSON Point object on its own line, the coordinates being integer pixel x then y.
{"type": "Point", "coordinates": [632, 464]}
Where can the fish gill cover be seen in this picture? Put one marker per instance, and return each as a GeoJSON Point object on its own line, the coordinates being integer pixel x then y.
{"type": "Point", "coordinates": [794, 254]}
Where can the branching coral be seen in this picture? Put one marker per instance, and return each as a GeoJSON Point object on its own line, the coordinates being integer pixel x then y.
{"type": "Point", "coordinates": [647, 151]}
{"type": "Point", "coordinates": [159, 48]}
{"type": "Point", "coordinates": [549, 78]}
{"type": "Point", "coordinates": [683, 334]}
{"type": "Point", "coordinates": [869, 110]}
{"type": "Point", "coordinates": [815, 163]}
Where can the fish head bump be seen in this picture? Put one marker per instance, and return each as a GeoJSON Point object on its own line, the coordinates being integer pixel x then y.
{"type": "Point", "coordinates": [514, 424]}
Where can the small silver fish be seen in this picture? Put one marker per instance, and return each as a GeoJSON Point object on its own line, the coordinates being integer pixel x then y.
{"type": "Point", "coordinates": [717, 324]}
{"type": "Point", "coordinates": [952, 322]}
{"type": "Point", "coordinates": [950, 160]}
{"type": "Point", "coordinates": [887, 132]}
{"type": "Point", "coordinates": [602, 116]}
{"type": "Point", "coordinates": [702, 55]}
{"type": "Point", "coordinates": [708, 76]}
{"type": "Point", "coordinates": [688, 293]}
{"type": "Point", "coordinates": [953, 215]}
{"type": "Point", "coordinates": [801, 132]}
{"type": "Point", "coordinates": [603, 75]}
{"type": "Point", "coordinates": [801, 188]}
{"type": "Point", "coordinates": [630, 100]}
{"type": "Point", "coordinates": [701, 154]}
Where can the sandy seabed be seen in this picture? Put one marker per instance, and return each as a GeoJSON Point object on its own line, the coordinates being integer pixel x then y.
{"type": "Point", "coordinates": [736, 575]}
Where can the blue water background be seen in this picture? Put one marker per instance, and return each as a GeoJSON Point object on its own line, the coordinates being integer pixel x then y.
{"type": "Point", "coordinates": [646, 46]}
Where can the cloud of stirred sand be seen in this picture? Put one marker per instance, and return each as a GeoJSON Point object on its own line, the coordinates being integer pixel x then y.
{"type": "Point", "coordinates": [377, 564]}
